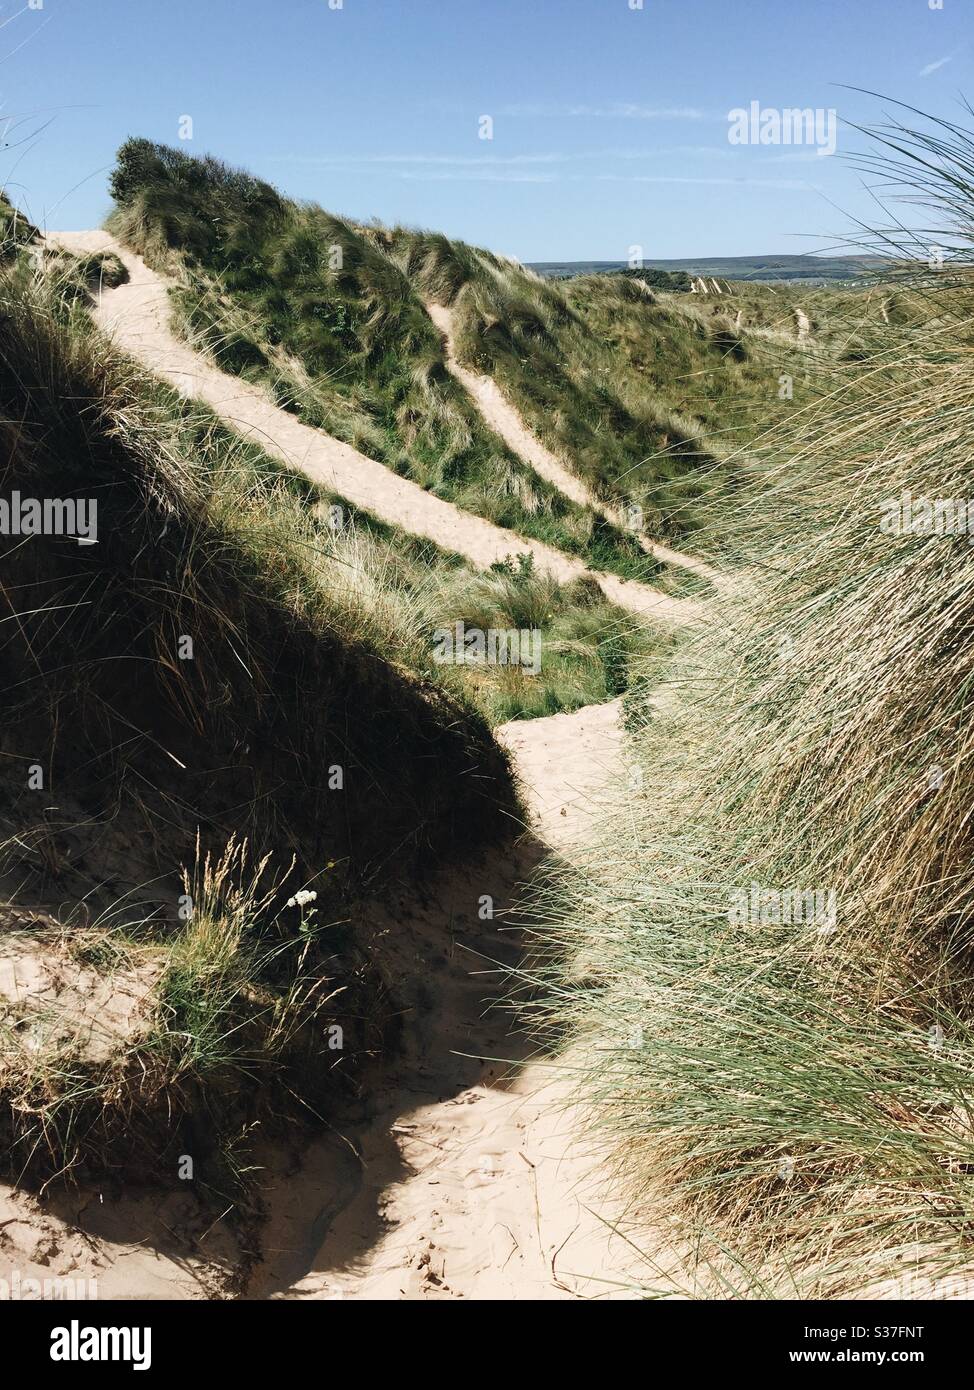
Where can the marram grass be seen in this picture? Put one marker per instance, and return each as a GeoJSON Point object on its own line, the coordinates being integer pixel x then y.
{"type": "Point", "coordinates": [793, 1097]}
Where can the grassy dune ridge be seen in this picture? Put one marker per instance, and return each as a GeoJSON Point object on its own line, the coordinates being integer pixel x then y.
{"type": "Point", "coordinates": [312, 306]}
{"type": "Point", "coordinates": [651, 398]}
{"type": "Point", "coordinates": [203, 718]}
{"type": "Point", "coordinates": [654, 399]}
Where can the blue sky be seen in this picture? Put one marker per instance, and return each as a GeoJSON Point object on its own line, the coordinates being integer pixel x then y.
{"type": "Point", "coordinates": [610, 123]}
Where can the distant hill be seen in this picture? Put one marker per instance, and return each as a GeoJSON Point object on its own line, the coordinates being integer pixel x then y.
{"type": "Point", "coordinates": [800, 267]}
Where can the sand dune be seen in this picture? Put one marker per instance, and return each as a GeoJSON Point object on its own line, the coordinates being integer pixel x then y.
{"type": "Point", "coordinates": [505, 421]}
{"type": "Point", "coordinates": [137, 314]}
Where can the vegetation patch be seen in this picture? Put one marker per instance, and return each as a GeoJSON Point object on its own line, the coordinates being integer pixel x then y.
{"type": "Point", "coordinates": [319, 311]}
{"type": "Point", "coordinates": [763, 967]}
{"type": "Point", "coordinates": [211, 754]}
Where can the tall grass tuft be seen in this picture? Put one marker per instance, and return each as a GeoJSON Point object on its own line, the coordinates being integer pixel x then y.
{"type": "Point", "coordinates": [791, 1086]}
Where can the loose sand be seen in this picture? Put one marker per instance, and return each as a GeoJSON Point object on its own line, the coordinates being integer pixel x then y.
{"type": "Point", "coordinates": [464, 1174]}
{"type": "Point", "coordinates": [505, 421]}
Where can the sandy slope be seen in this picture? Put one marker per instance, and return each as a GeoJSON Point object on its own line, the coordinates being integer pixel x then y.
{"type": "Point", "coordinates": [460, 1177]}
{"type": "Point", "coordinates": [505, 421]}
{"type": "Point", "coordinates": [488, 1191]}
{"type": "Point", "coordinates": [137, 316]}
{"type": "Point", "coordinates": [462, 1174]}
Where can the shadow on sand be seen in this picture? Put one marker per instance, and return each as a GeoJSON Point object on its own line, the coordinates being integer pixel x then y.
{"type": "Point", "coordinates": [325, 1207]}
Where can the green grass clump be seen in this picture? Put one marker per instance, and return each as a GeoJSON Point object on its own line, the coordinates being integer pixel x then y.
{"type": "Point", "coordinates": [675, 281]}
{"type": "Point", "coordinates": [589, 648]}
{"type": "Point", "coordinates": [234, 1016]}
{"type": "Point", "coordinates": [79, 279]}
{"type": "Point", "coordinates": [16, 231]}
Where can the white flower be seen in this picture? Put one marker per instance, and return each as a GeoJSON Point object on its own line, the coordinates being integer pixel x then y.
{"type": "Point", "coordinates": [305, 895]}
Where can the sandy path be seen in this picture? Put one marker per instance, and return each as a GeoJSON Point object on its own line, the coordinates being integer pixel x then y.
{"type": "Point", "coordinates": [137, 316]}
{"type": "Point", "coordinates": [463, 1178]}
{"type": "Point", "coordinates": [465, 1174]}
{"type": "Point", "coordinates": [505, 421]}
{"type": "Point", "coordinates": [489, 1192]}
{"type": "Point", "coordinates": [110, 1246]}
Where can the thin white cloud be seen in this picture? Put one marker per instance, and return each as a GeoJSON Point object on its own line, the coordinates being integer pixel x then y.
{"type": "Point", "coordinates": [336, 160]}
{"type": "Point", "coordinates": [616, 110]}
{"type": "Point", "coordinates": [684, 151]}
{"type": "Point", "coordinates": [802, 184]}
{"type": "Point", "coordinates": [803, 157]}
{"type": "Point", "coordinates": [479, 175]}
{"type": "Point", "coordinates": [540, 168]}
{"type": "Point", "coordinates": [629, 155]}
{"type": "Point", "coordinates": [934, 67]}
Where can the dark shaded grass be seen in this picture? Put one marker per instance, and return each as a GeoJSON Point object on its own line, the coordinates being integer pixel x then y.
{"type": "Point", "coordinates": [223, 761]}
